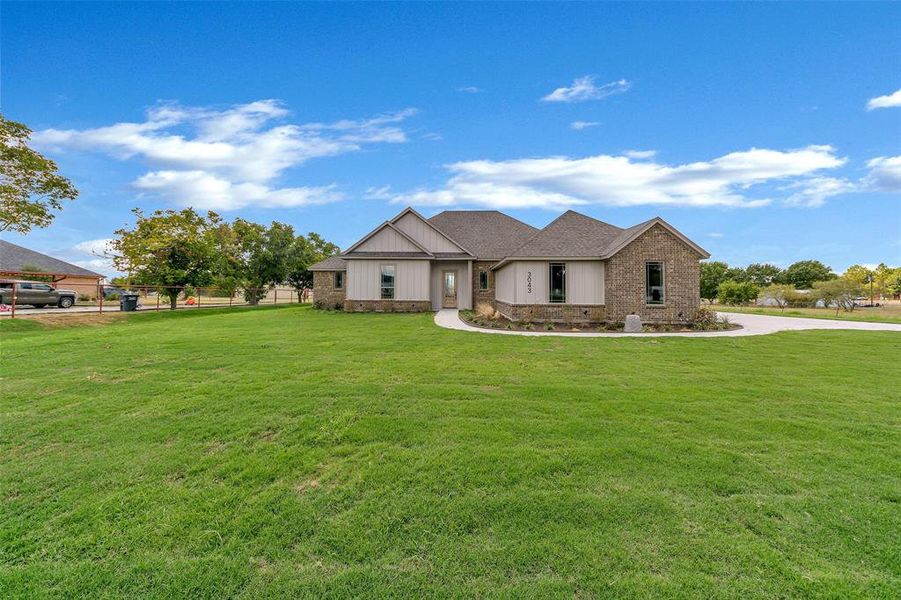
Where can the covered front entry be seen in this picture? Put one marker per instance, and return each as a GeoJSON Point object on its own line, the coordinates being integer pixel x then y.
{"type": "Point", "coordinates": [451, 285]}
{"type": "Point", "coordinates": [449, 289]}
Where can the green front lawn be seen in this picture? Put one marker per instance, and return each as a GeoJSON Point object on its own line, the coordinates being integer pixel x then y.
{"type": "Point", "coordinates": [287, 452]}
{"type": "Point", "coordinates": [890, 313]}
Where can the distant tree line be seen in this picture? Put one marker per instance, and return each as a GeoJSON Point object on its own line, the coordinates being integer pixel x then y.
{"type": "Point", "coordinates": [176, 249]}
{"type": "Point", "coordinates": [737, 285]}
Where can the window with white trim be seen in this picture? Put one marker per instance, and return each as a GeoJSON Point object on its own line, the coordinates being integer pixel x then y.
{"type": "Point", "coordinates": [483, 280]}
{"type": "Point", "coordinates": [339, 280]}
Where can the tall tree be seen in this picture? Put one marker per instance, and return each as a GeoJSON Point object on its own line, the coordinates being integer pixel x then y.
{"type": "Point", "coordinates": [171, 249]}
{"type": "Point", "coordinates": [762, 274]}
{"type": "Point", "coordinates": [262, 256]}
{"type": "Point", "coordinates": [804, 273]}
{"type": "Point", "coordinates": [712, 275]}
{"type": "Point", "coordinates": [30, 186]}
{"type": "Point", "coordinates": [307, 251]}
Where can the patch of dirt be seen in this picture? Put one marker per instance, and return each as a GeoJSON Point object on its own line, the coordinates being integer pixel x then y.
{"type": "Point", "coordinates": [75, 320]}
{"type": "Point", "coordinates": [304, 486]}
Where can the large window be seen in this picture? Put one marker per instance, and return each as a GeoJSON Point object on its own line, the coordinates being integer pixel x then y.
{"type": "Point", "coordinates": [483, 280]}
{"type": "Point", "coordinates": [339, 280]}
{"type": "Point", "coordinates": [557, 281]}
{"type": "Point", "coordinates": [653, 282]}
{"type": "Point", "coordinates": [387, 286]}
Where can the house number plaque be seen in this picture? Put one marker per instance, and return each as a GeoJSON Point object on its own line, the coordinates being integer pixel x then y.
{"type": "Point", "coordinates": [529, 282]}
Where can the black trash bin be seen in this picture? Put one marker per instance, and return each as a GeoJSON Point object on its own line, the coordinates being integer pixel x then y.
{"type": "Point", "coordinates": [128, 302]}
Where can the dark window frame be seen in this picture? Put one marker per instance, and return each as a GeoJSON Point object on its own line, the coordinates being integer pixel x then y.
{"type": "Point", "coordinates": [483, 285]}
{"type": "Point", "coordinates": [338, 275]}
{"type": "Point", "coordinates": [661, 287]}
{"type": "Point", "coordinates": [382, 286]}
{"type": "Point", "coordinates": [551, 297]}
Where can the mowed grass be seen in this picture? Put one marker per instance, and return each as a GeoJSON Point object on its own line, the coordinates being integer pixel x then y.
{"type": "Point", "coordinates": [888, 313]}
{"type": "Point", "coordinates": [292, 453]}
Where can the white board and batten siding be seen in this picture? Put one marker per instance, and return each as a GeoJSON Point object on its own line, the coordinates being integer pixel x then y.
{"type": "Point", "coordinates": [526, 282]}
{"type": "Point", "coordinates": [387, 240]}
{"type": "Point", "coordinates": [585, 282]}
{"type": "Point", "coordinates": [411, 279]}
{"type": "Point", "coordinates": [425, 234]}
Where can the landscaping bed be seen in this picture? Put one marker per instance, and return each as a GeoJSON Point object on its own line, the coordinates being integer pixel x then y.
{"type": "Point", "coordinates": [705, 320]}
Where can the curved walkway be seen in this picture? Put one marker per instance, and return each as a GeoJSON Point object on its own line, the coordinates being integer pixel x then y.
{"type": "Point", "coordinates": [751, 325]}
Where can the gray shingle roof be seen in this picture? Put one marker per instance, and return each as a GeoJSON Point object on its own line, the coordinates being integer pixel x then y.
{"type": "Point", "coordinates": [571, 234]}
{"type": "Point", "coordinates": [488, 234]}
{"type": "Point", "coordinates": [332, 263]}
{"type": "Point", "coordinates": [13, 257]}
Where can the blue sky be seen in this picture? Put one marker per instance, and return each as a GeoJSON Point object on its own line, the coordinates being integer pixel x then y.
{"type": "Point", "coordinates": [766, 132]}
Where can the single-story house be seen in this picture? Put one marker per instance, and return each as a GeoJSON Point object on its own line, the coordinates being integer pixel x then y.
{"type": "Point", "coordinates": [18, 262]}
{"type": "Point", "coordinates": [575, 269]}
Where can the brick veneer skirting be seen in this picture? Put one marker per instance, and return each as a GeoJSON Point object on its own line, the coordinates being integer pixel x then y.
{"type": "Point", "coordinates": [324, 290]}
{"type": "Point", "coordinates": [624, 291]}
{"type": "Point", "coordinates": [387, 305]}
{"type": "Point", "coordinates": [558, 313]}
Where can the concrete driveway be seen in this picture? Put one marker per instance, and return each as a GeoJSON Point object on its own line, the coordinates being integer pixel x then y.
{"type": "Point", "coordinates": [751, 325]}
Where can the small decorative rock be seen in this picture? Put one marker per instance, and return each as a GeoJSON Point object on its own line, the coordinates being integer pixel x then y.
{"type": "Point", "coordinates": [633, 324]}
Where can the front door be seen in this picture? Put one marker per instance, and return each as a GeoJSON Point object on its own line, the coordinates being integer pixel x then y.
{"type": "Point", "coordinates": [449, 299]}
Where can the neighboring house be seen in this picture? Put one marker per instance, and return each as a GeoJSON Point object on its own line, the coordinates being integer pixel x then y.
{"type": "Point", "coordinates": [575, 269]}
{"type": "Point", "coordinates": [17, 262]}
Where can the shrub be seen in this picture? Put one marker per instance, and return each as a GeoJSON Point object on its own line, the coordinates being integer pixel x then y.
{"type": "Point", "coordinates": [705, 319]}
{"type": "Point", "coordinates": [735, 292]}
{"type": "Point", "coordinates": [339, 306]}
{"type": "Point", "coordinates": [318, 304]}
{"type": "Point", "coordinates": [549, 326]}
{"type": "Point", "coordinates": [85, 298]}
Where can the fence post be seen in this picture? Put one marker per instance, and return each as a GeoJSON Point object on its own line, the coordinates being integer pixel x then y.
{"type": "Point", "coordinates": [100, 297]}
{"type": "Point", "coordinates": [276, 296]}
{"type": "Point", "coordinates": [158, 299]}
{"type": "Point", "coordinates": [12, 313]}
{"type": "Point", "coordinates": [198, 296]}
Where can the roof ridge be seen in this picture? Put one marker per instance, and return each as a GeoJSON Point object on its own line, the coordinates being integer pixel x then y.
{"type": "Point", "coordinates": [575, 212]}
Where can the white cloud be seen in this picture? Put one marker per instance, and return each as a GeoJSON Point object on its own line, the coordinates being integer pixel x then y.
{"type": "Point", "coordinates": [715, 234]}
{"type": "Point", "coordinates": [232, 154]}
{"type": "Point", "coordinates": [640, 154]}
{"type": "Point", "coordinates": [585, 88]}
{"type": "Point", "coordinates": [580, 125]}
{"type": "Point", "coordinates": [884, 175]}
{"type": "Point", "coordinates": [889, 101]}
{"type": "Point", "coordinates": [378, 193]}
{"type": "Point", "coordinates": [557, 182]}
{"type": "Point", "coordinates": [813, 192]}
{"type": "Point", "coordinates": [206, 191]}
{"type": "Point", "coordinates": [469, 89]}
{"type": "Point", "coordinates": [93, 247]}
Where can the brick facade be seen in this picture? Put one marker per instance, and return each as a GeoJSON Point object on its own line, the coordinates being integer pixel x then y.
{"type": "Point", "coordinates": [557, 313]}
{"type": "Point", "coordinates": [387, 305]}
{"type": "Point", "coordinates": [625, 279]}
{"type": "Point", "coordinates": [324, 289]}
{"type": "Point", "coordinates": [482, 295]}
